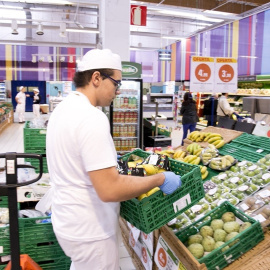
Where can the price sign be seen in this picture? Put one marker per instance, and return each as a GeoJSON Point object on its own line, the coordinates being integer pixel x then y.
{"type": "Point", "coordinates": [202, 74]}
{"type": "Point", "coordinates": [225, 75]}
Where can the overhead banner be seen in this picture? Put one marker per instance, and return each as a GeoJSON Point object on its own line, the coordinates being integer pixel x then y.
{"type": "Point", "coordinates": [225, 75]}
{"type": "Point", "coordinates": [202, 74]}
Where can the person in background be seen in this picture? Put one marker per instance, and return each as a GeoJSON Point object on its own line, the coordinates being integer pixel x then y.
{"type": "Point", "coordinates": [20, 108]}
{"type": "Point", "coordinates": [36, 102]}
{"type": "Point", "coordinates": [207, 110]}
{"type": "Point", "coordinates": [81, 156]}
{"type": "Point", "coordinates": [189, 113]}
{"type": "Point", "coordinates": [224, 109]}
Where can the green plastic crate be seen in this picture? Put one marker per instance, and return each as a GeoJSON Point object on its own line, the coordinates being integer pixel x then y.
{"type": "Point", "coordinates": [30, 232]}
{"type": "Point", "coordinates": [164, 132]}
{"type": "Point", "coordinates": [3, 201]}
{"type": "Point", "coordinates": [35, 162]}
{"type": "Point", "coordinates": [246, 240]}
{"type": "Point", "coordinates": [252, 148]}
{"type": "Point", "coordinates": [34, 137]}
{"type": "Point", "coordinates": [155, 211]}
{"type": "Point", "coordinates": [253, 140]}
{"type": "Point", "coordinates": [62, 263]}
{"type": "Point", "coordinates": [240, 154]}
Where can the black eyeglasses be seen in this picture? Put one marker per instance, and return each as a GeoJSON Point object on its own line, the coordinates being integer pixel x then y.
{"type": "Point", "coordinates": [116, 83]}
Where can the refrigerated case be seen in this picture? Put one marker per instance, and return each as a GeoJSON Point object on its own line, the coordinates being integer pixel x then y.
{"type": "Point", "coordinates": [126, 116]}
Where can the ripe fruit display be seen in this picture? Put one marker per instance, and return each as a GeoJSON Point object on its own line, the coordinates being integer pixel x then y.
{"type": "Point", "coordinates": [208, 153]}
{"type": "Point", "coordinates": [222, 163]}
{"type": "Point", "coordinates": [194, 149]}
{"type": "Point", "coordinates": [217, 235]}
{"type": "Point", "coordinates": [204, 172]}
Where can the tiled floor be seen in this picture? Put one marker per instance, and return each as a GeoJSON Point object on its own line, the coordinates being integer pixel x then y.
{"type": "Point", "coordinates": [11, 140]}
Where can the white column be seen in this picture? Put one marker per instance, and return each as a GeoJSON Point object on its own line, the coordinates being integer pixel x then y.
{"type": "Point", "coordinates": [114, 20]}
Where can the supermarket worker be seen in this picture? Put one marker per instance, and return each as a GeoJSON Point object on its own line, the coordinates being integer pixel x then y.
{"type": "Point", "coordinates": [20, 108]}
{"type": "Point", "coordinates": [36, 102]}
{"type": "Point", "coordinates": [82, 163]}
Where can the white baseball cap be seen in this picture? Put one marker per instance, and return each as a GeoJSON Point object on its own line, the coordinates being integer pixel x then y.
{"type": "Point", "coordinates": [97, 59]}
{"type": "Point", "coordinates": [35, 90]}
{"type": "Point", "coordinates": [21, 87]}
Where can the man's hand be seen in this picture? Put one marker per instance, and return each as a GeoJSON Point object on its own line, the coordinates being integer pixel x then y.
{"type": "Point", "coordinates": [171, 182]}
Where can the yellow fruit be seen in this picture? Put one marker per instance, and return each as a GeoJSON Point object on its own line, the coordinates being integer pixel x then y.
{"type": "Point", "coordinates": [160, 170]}
{"type": "Point", "coordinates": [223, 162]}
{"type": "Point", "coordinates": [230, 158]}
{"type": "Point", "coordinates": [214, 135]}
{"type": "Point", "coordinates": [196, 161]}
{"type": "Point", "coordinates": [203, 169]}
{"type": "Point", "coordinates": [150, 169]}
{"type": "Point", "coordinates": [132, 164]}
{"type": "Point", "coordinates": [142, 196]}
{"type": "Point", "coordinates": [220, 144]}
{"type": "Point", "coordinates": [213, 139]}
{"type": "Point", "coordinates": [198, 152]}
{"type": "Point", "coordinates": [215, 143]}
{"type": "Point", "coordinates": [152, 191]}
{"type": "Point", "coordinates": [205, 175]}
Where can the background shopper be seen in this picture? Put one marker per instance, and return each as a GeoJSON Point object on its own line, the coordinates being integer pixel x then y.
{"type": "Point", "coordinates": [207, 110]}
{"type": "Point", "coordinates": [224, 109]}
{"type": "Point", "coordinates": [20, 108]}
{"type": "Point", "coordinates": [189, 113]}
{"type": "Point", "coordinates": [36, 102]}
{"type": "Point", "coordinates": [81, 156]}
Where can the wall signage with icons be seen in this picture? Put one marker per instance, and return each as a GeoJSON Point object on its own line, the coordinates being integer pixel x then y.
{"type": "Point", "coordinates": [164, 55]}
{"type": "Point", "coordinates": [138, 15]}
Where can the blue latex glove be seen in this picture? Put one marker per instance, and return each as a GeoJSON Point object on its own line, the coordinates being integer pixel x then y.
{"type": "Point", "coordinates": [171, 183]}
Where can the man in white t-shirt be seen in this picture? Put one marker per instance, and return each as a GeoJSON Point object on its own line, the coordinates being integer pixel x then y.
{"type": "Point", "coordinates": [20, 108]}
{"type": "Point", "coordinates": [82, 163]}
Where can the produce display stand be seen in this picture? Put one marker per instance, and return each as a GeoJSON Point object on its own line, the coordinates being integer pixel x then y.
{"type": "Point", "coordinates": [227, 135]}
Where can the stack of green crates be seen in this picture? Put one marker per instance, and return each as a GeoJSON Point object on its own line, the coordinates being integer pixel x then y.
{"type": "Point", "coordinates": [38, 240]}
{"type": "Point", "coordinates": [35, 143]}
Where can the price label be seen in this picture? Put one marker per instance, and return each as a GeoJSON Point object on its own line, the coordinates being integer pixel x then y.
{"type": "Point", "coordinates": [264, 193]}
{"type": "Point", "coordinates": [260, 218]}
{"type": "Point", "coordinates": [226, 73]}
{"type": "Point", "coordinates": [234, 179]}
{"type": "Point", "coordinates": [222, 176]}
{"type": "Point", "coordinates": [243, 163]}
{"type": "Point", "coordinates": [203, 72]}
{"type": "Point", "coordinates": [252, 168]}
{"type": "Point", "coordinates": [244, 207]}
{"type": "Point", "coordinates": [259, 150]}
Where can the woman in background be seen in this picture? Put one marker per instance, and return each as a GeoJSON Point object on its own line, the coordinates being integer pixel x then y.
{"type": "Point", "coordinates": [189, 112]}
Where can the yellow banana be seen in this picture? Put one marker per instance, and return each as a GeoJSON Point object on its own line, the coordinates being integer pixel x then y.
{"type": "Point", "coordinates": [142, 196]}
{"type": "Point", "coordinates": [214, 135]}
{"type": "Point", "coordinates": [216, 142]}
{"type": "Point", "coordinates": [213, 139]}
{"type": "Point", "coordinates": [203, 169]}
{"type": "Point", "coordinates": [150, 169]}
{"type": "Point", "coordinates": [152, 191]}
{"type": "Point", "coordinates": [196, 161]}
{"type": "Point", "coordinates": [220, 144]}
{"type": "Point", "coordinates": [205, 175]}
{"type": "Point", "coordinates": [132, 164]}
{"type": "Point", "coordinates": [230, 158]}
{"type": "Point", "coordinates": [223, 162]}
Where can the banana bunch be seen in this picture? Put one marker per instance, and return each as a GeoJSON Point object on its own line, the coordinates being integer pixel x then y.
{"type": "Point", "coordinates": [221, 163]}
{"type": "Point", "coordinates": [149, 193]}
{"type": "Point", "coordinates": [215, 139]}
{"type": "Point", "coordinates": [208, 153]}
{"type": "Point", "coordinates": [150, 169]}
{"type": "Point", "coordinates": [192, 159]}
{"type": "Point", "coordinates": [179, 155]}
{"type": "Point", "coordinates": [168, 152]}
{"type": "Point", "coordinates": [194, 149]}
{"type": "Point", "coordinates": [204, 172]}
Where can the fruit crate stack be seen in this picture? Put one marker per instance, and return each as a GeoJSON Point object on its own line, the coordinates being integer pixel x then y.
{"type": "Point", "coordinates": [38, 240]}
{"type": "Point", "coordinates": [35, 143]}
{"type": "Point", "coordinates": [158, 209]}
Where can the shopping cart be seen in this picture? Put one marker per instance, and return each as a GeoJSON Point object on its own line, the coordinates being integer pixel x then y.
{"type": "Point", "coordinates": [10, 189]}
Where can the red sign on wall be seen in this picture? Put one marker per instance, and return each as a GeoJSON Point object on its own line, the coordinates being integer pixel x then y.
{"type": "Point", "coordinates": [138, 15]}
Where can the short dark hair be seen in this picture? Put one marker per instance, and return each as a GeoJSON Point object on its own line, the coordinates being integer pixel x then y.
{"type": "Point", "coordinates": [82, 78]}
{"type": "Point", "coordinates": [223, 94]}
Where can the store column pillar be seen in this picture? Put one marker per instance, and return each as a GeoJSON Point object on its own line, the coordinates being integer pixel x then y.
{"type": "Point", "coordinates": [114, 20]}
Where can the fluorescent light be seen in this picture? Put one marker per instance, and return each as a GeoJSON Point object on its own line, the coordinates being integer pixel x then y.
{"type": "Point", "coordinates": [218, 12]}
{"type": "Point", "coordinates": [172, 37]}
{"type": "Point", "coordinates": [82, 30]}
{"type": "Point", "coordinates": [54, 2]}
{"type": "Point", "coordinates": [189, 15]}
{"type": "Point", "coordinates": [245, 56]}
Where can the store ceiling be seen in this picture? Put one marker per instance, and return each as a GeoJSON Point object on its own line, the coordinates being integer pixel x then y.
{"type": "Point", "coordinates": [167, 20]}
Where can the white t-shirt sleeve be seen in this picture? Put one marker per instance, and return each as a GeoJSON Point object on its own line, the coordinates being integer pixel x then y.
{"type": "Point", "coordinates": [96, 144]}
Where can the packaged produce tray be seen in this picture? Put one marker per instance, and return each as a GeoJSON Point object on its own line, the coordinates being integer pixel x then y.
{"type": "Point", "coordinates": [240, 154]}
{"type": "Point", "coordinates": [254, 141]}
{"type": "Point", "coordinates": [155, 211]}
{"type": "Point", "coordinates": [34, 137]}
{"type": "Point", "coordinates": [220, 257]}
{"type": "Point", "coordinates": [165, 132]}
